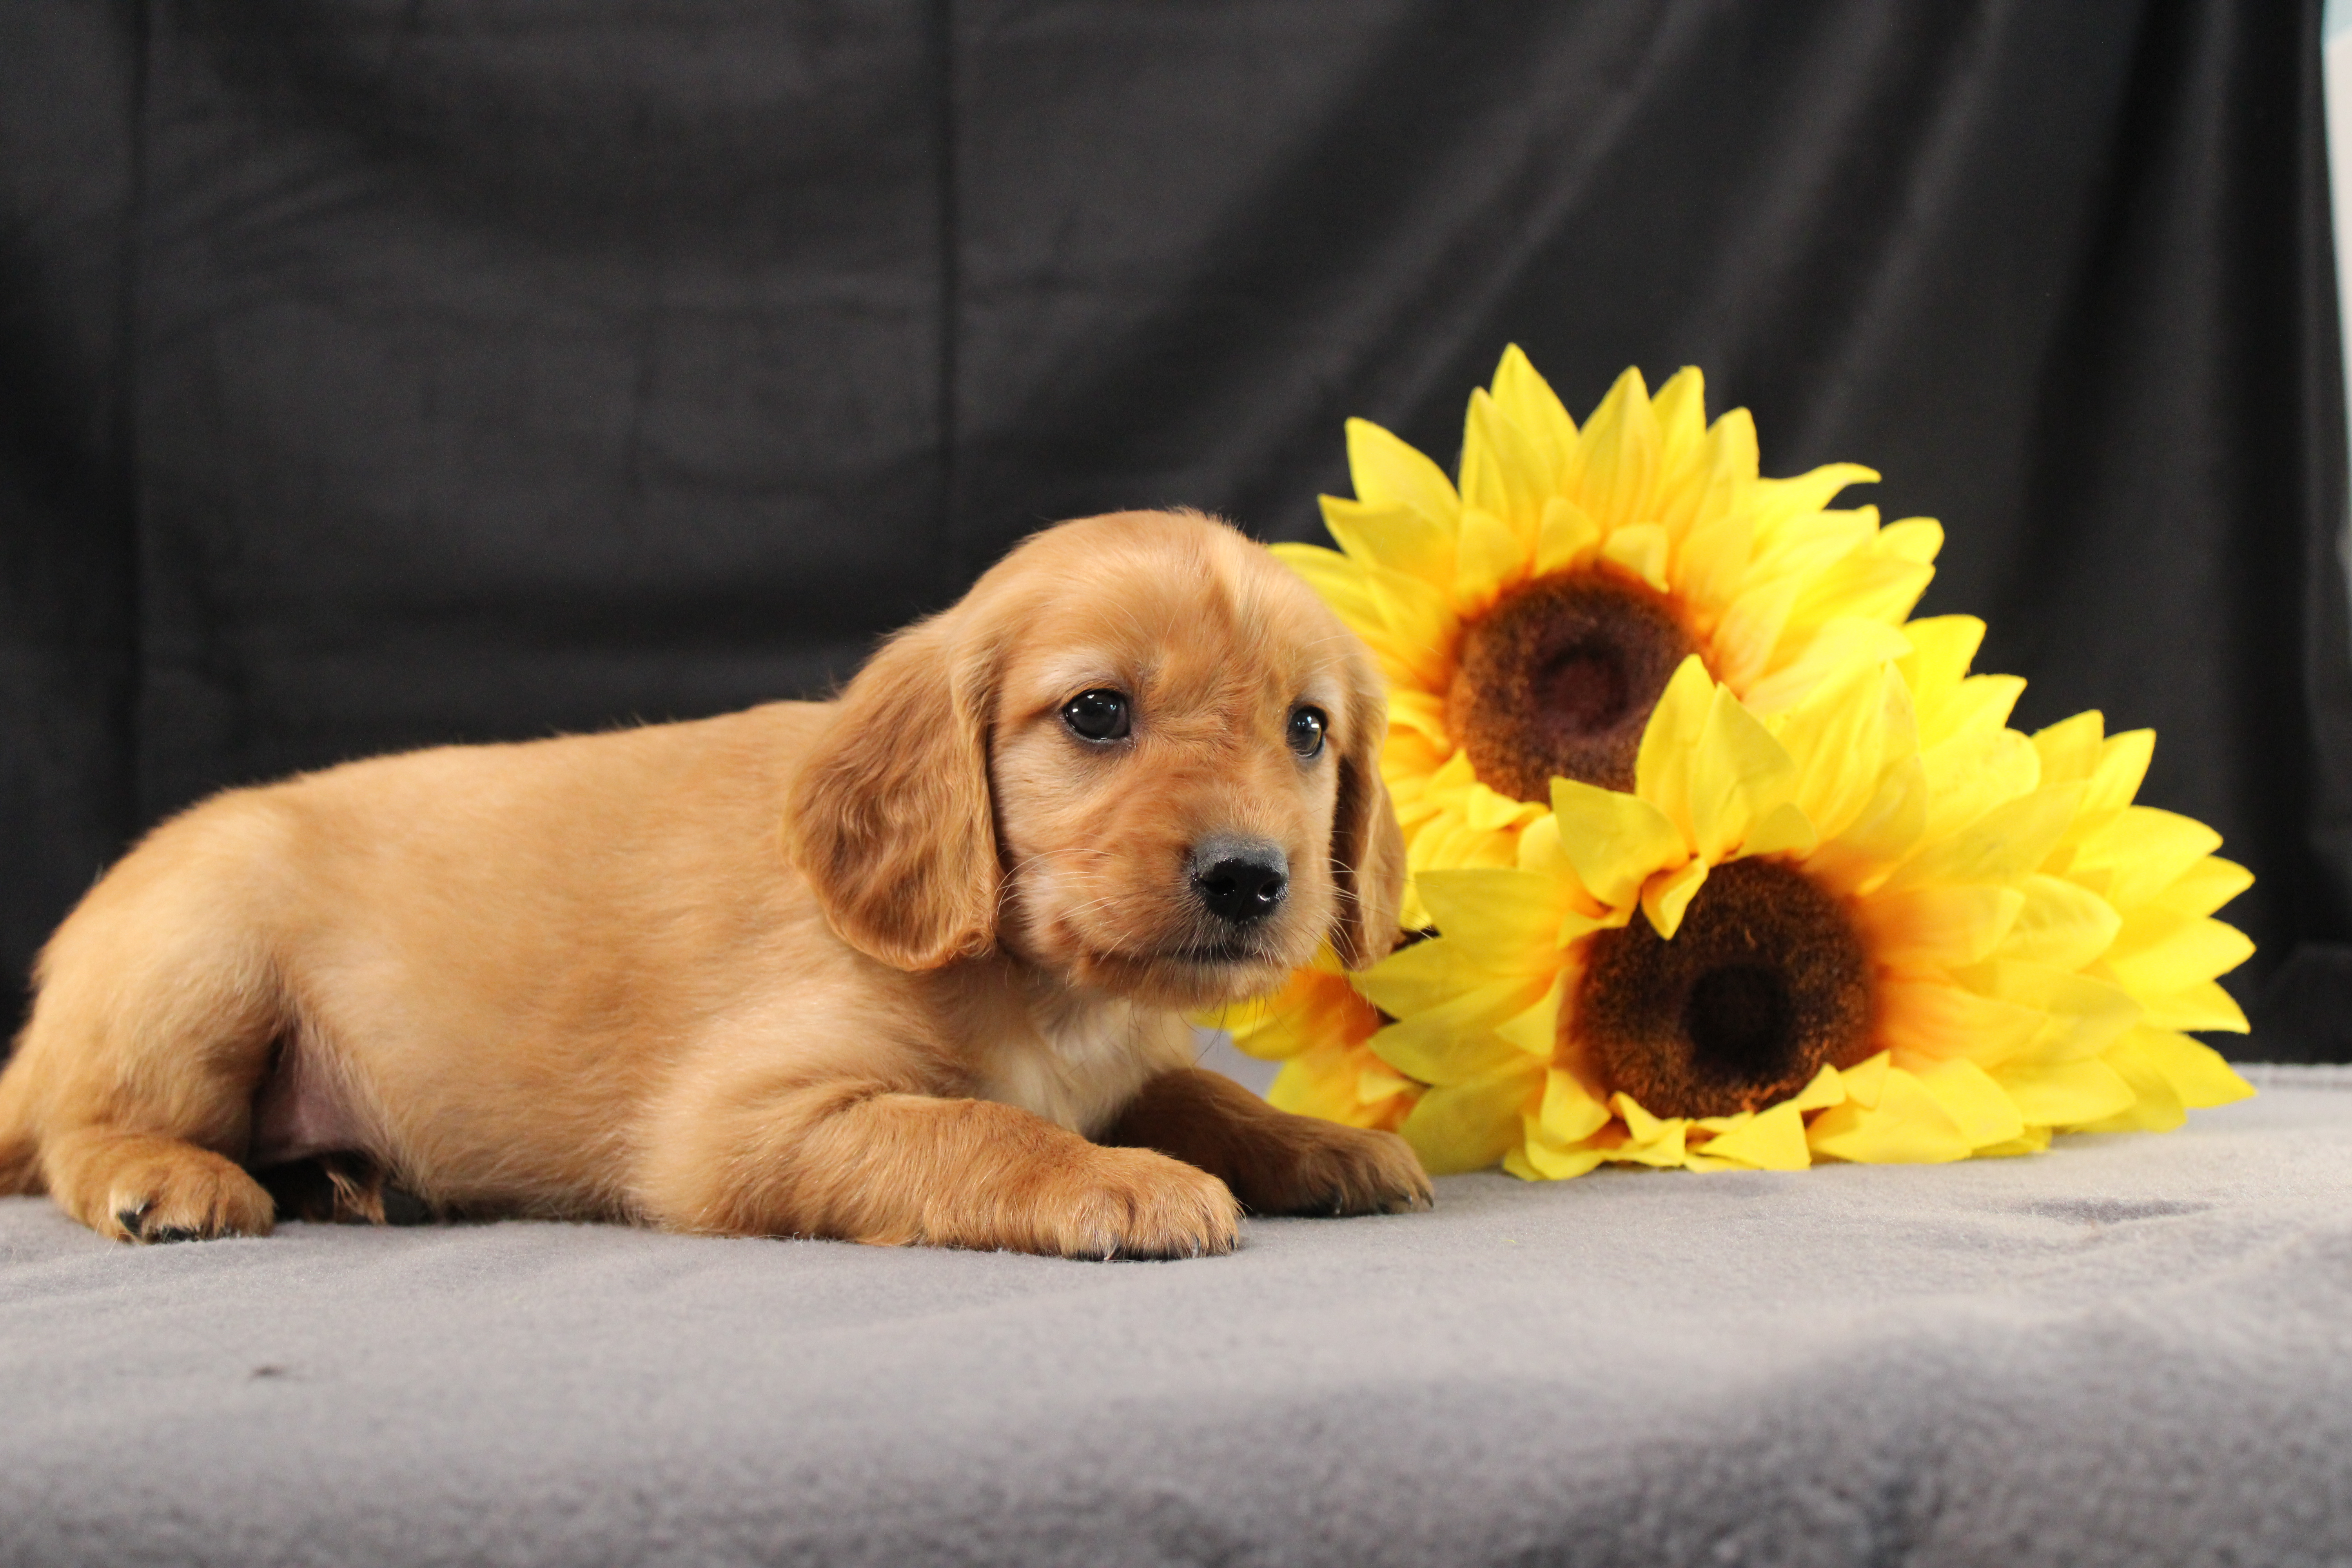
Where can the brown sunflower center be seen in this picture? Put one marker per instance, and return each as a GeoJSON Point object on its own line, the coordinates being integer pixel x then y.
{"type": "Point", "coordinates": [1558, 680]}
{"type": "Point", "coordinates": [1764, 983]}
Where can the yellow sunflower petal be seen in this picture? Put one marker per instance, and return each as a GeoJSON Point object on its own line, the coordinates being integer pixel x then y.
{"type": "Point", "coordinates": [2158, 951]}
{"type": "Point", "coordinates": [1420, 713]}
{"type": "Point", "coordinates": [1455, 1044]}
{"type": "Point", "coordinates": [2205, 887]}
{"type": "Point", "coordinates": [1665, 896]}
{"type": "Point", "coordinates": [1781, 500]}
{"type": "Point", "coordinates": [1536, 1031]}
{"type": "Point", "coordinates": [1968, 775]}
{"type": "Point", "coordinates": [1417, 624]}
{"type": "Point", "coordinates": [1507, 918]}
{"type": "Point", "coordinates": [1728, 468]}
{"type": "Point", "coordinates": [1399, 537]}
{"type": "Point", "coordinates": [1942, 648]}
{"type": "Point", "coordinates": [2140, 853]}
{"type": "Point", "coordinates": [2065, 1094]}
{"type": "Point", "coordinates": [1469, 1126]}
{"type": "Point", "coordinates": [2156, 1105]}
{"type": "Point", "coordinates": [1488, 560]}
{"type": "Point", "coordinates": [1570, 1114]}
{"type": "Point", "coordinates": [1865, 1080]}
{"type": "Point", "coordinates": [1390, 472]}
{"type": "Point", "coordinates": [1931, 1016]}
{"type": "Point", "coordinates": [1908, 1126]}
{"type": "Point", "coordinates": [2202, 1006]}
{"type": "Point", "coordinates": [1945, 924]}
{"type": "Point", "coordinates": [1715, 563]}
{"type": "Point", "coordinates": [1881, 836]}
{"type": "Point", "coordinates": [2033, 1141]}
{"type": "Point", "coordinates": [2070, 748]}
{"type": "Point", "coordinates": [1337, 580]}
{"type": "Point", "coordinates": [1751, 629]}
{"type": "Point", "coordinates": [1918, 539]}
{"type": "Point", "coordinates": [1616, 462]}
{"type": "Point", "coordinates": [1738, 773]}
{"type": "Point", "coordinates": [2060, 924]}
{"type": "Point", "coordinates": [1614, 841]}
{"type": "Point", "coordinates": [2082, 1014]}
{"type": "Point", "coordinates": [2123, 763]}
{"type": "Point", "coordinates": [1680, 409]}
{"type": "Point", "coordinates": [1866, 587]}
{"type": "Point", "coordinates": [1977, 1105]}
{"type": "Point", "coordinates": [1315, 1088]}
{"type": "Point", "coordinates": [1828, 1088]}
{"type": "Point", "coordinates": [1771, 1140]}
{"type": "Point", "coordinates": [1503, 472]}
{"type": "Point", "coordinates": [1785, 830]}
{"type": "Point", "coordinates": [1531, 404]}
{"type": "Point", "coordinates": [1568, 537]}
{"type": "Point", "coordinates": [1835, 739]}
{"type": "Point", "coordinates": [1824, 649]}
{"type": "Point", "coordinates": [1649, 1139]}
{"type": "Point", "coordinates": [1541, 1161]}
{"type": "Point", "coordinates": [2196, 1070]}
{"type": "Point", "coordinates": [2002, 846]}
{"type": "Point", "coordinates": [1980, 705]}
{"type": "Point", "coordinates": [1661, 766]}
{"type": "Point", "coordinates": [1641, 549]}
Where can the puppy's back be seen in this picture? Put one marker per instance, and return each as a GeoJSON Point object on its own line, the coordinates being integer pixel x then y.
{"type": "Point", "coordinates": [399, 899]}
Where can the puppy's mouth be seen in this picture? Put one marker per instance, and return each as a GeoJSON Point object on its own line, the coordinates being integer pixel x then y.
{"type": "Point", "coordinates": [1216, 954]}
{"type": "Point", "coordinates": [1190, 973]}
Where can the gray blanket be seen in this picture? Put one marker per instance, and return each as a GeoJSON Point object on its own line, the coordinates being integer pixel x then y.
{"type": "Point", "coordinates": [2133, 1350]}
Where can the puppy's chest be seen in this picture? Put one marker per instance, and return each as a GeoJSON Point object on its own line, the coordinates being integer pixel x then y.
{"type": "Point", "coordinates": [1079, 1065]}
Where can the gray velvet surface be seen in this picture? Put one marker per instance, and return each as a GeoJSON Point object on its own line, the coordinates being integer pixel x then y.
{"type": "Point", "coordinates": [2132, 1349]}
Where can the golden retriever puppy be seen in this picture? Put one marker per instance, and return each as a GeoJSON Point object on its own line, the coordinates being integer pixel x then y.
{"type": "Point", "coordinates": [910, 966]}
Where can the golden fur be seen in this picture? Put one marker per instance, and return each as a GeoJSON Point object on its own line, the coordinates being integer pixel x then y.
{"type": "Point", "coordinates": [585, 976]}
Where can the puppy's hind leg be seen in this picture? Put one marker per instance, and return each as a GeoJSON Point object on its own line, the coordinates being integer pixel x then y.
{"type": "Point", "coordinates": [134, 1079]}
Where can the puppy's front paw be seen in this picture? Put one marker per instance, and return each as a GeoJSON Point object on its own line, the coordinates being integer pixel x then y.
{"type": "Point", "coordinates": [1323, 1168]}
{"type": "Point", "coordinates": [1132, 1202]}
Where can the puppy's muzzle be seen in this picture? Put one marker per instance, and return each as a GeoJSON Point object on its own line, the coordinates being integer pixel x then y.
{"type": "Point", "coordinates": [1240, 880]}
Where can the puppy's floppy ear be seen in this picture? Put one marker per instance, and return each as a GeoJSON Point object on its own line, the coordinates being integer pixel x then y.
{"type": "Point", "coordinates": [890, 819]}
{"type": "Point", "coordinates": [1367, 848]}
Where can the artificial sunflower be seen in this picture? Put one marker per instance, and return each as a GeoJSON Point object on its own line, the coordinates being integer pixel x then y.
{"type": "Point", "coordinates": [1321, 1029]}
{"type": "Point", "coordinates": [1528, 619]}
{"type": "Point", "coordinates": [1879, 925]}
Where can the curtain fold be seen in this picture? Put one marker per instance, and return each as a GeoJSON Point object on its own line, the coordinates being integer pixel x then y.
{"type": "Point", "coordinates": [378, 373]}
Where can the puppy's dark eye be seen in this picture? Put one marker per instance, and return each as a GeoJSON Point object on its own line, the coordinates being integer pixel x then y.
{"type": "Point", "coordinates": [1098, 715]}
{"type": "Point", "coordinates": [1306, 726]}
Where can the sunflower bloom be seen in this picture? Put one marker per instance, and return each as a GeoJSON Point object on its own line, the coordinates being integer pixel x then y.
{"type": "Point", "coordinates": [1321, 1029]}
{"type": "Point", "coordinates": [1877, 926]}
{"type": "Point", "coordinates": [1528, 619]}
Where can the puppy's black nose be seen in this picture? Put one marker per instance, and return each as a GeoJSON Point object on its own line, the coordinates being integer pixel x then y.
{"type": "Point", "coordinates": [1240, 879]}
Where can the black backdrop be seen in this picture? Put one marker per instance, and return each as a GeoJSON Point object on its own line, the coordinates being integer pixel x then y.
{"type": "Point", "coordinates": [382, 372]}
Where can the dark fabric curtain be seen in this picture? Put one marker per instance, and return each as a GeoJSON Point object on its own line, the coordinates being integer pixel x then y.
{"type": "Point", "coordinates": [378, 372]}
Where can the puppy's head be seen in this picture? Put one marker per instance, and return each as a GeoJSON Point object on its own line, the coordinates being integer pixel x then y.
{"type": "Point", "coordinates": [1139, 756]}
